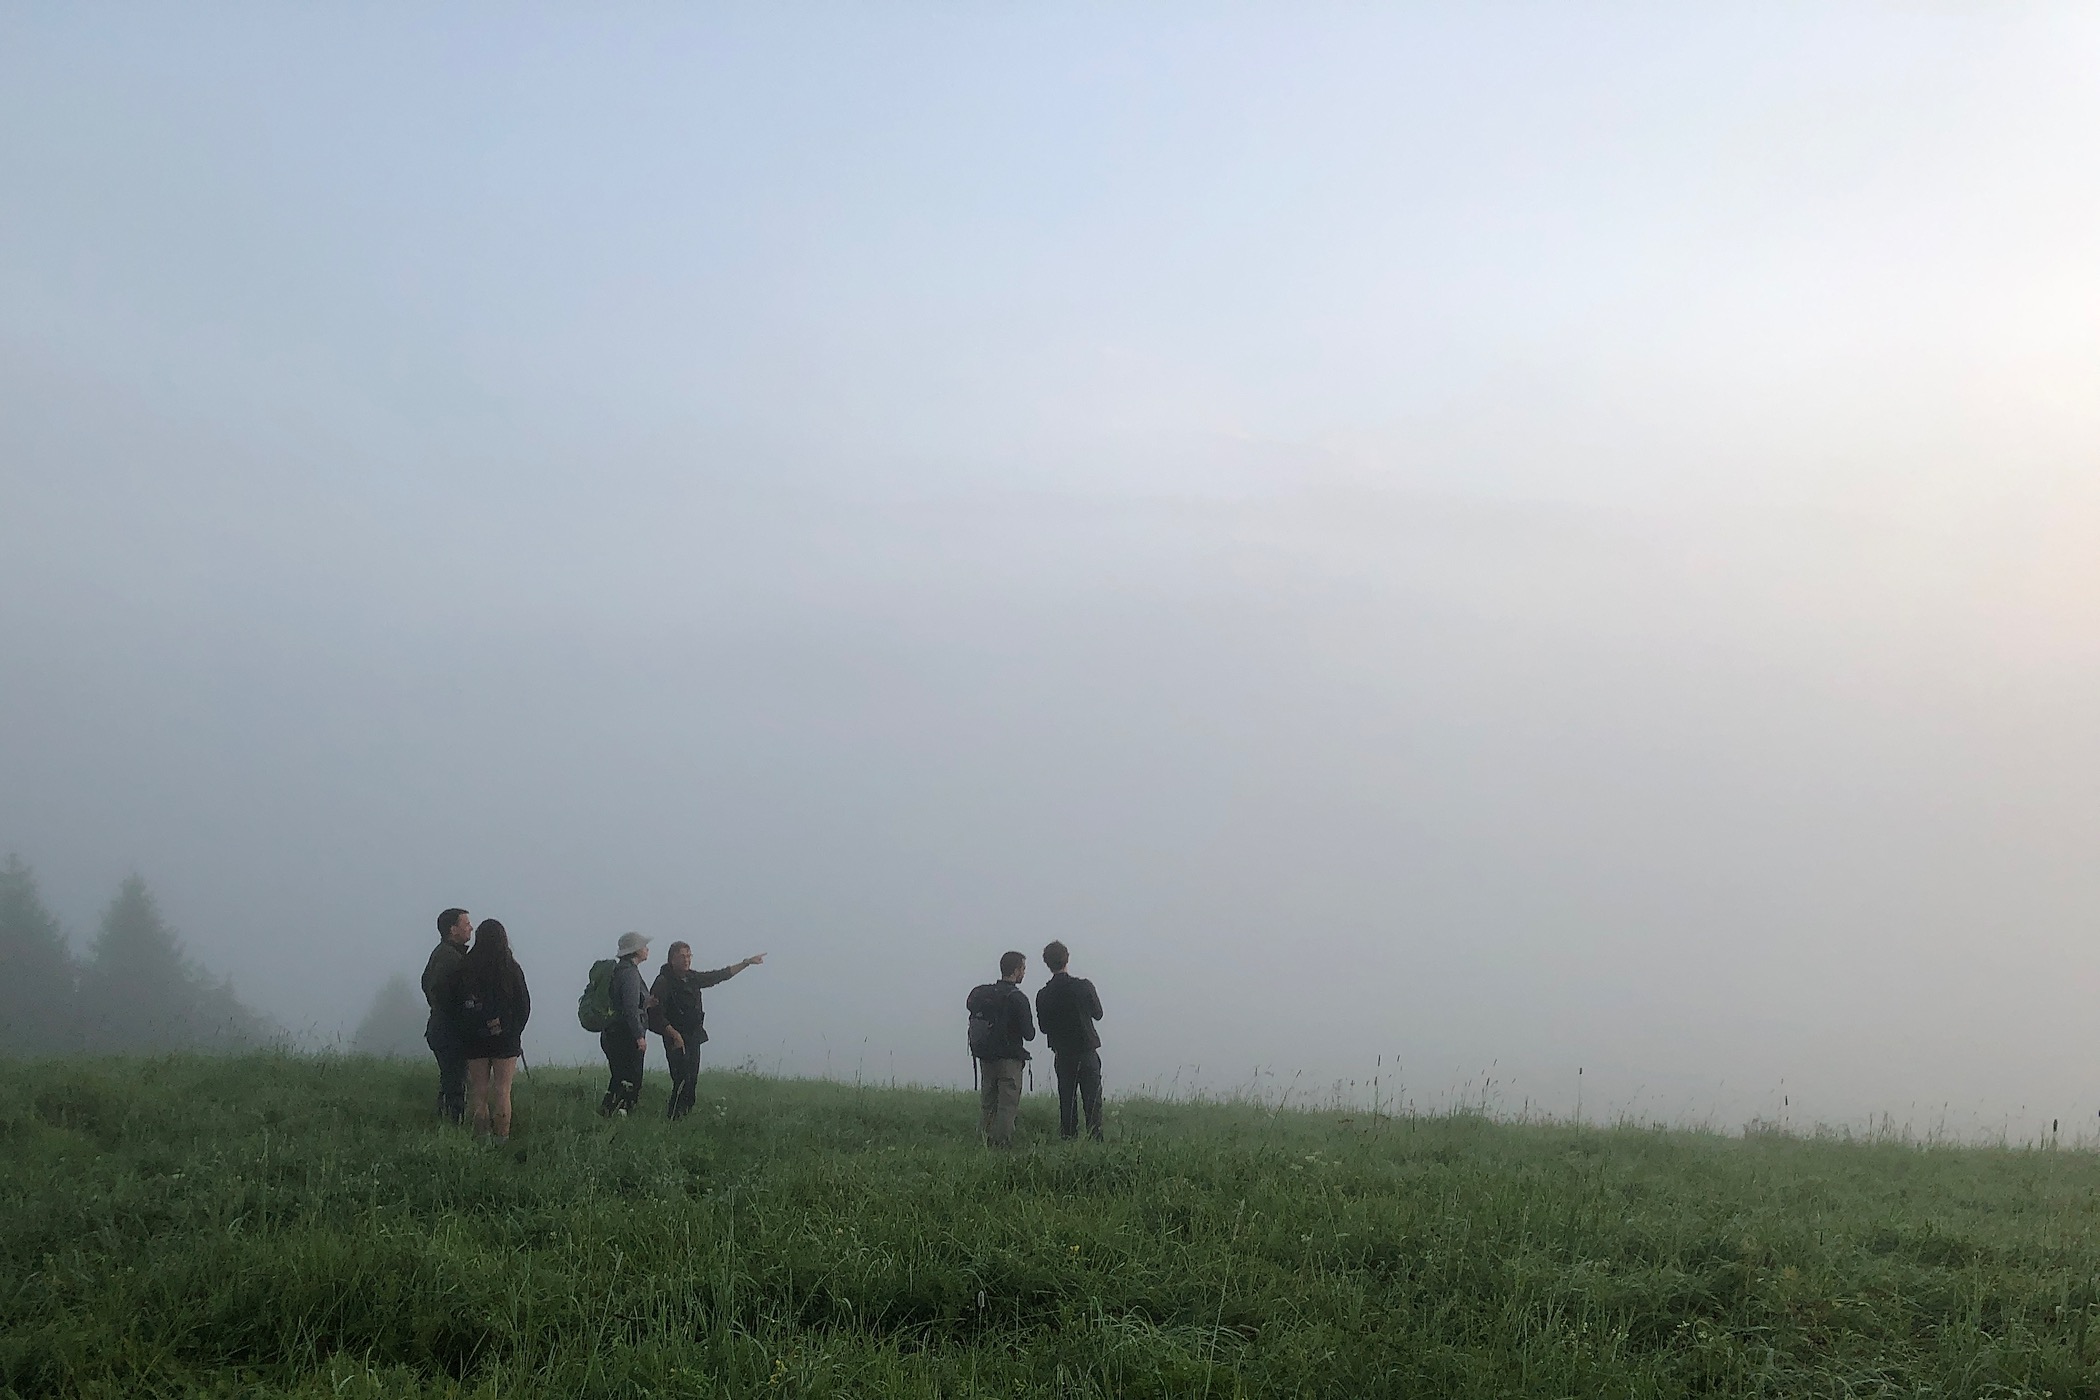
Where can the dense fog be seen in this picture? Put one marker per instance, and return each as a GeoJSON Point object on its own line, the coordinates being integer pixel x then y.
{"type": "Point", "coordinates": [1453, 547]}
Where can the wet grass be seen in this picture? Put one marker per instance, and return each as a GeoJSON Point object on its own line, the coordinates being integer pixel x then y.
{"type": "Point", "coordinates": [286, 1226]}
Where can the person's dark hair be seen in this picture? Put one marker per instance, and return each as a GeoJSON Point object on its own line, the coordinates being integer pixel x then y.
{"type": "Point", "coordinates": [1009, 961]}
{"type": "Point", "coordinates": [672, 951]}
{"type": "Point", "coordinates": [491, 946]}
{"type": "Point", "coordinates": [450, 917]}
{"type": "Point", "coordinates": [489, 966]}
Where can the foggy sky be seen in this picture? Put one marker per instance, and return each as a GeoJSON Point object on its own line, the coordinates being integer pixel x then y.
{"type": "Point", "coordinates": [1494, 540]}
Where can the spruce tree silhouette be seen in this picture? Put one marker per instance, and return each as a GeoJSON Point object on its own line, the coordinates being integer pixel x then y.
{"type": "Point", "coordinates": [141, 996]}
{"type": "Point", "coordinates": [39, 982]}
{"type": "Point", "coordinates": [394, 1026]}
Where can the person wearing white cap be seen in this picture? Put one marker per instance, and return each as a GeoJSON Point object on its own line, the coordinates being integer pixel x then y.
{"type": "Point", "coordinates": [626, 1041]}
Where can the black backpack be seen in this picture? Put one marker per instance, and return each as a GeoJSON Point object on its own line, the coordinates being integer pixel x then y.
{"type": "Point", "coordinates": [989, 1015]}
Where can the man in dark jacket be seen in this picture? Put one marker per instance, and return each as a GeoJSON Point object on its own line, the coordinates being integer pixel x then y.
{"type": "Point", "coordinates": [1067, 1007]}
{"type": "Point", "coordinates": [999, 1022]}
{"type": "Point", "coordinates": [676, 1015]}
{"type": "Point", "coordinates": [626, 1041]}
{"type": "Point", "coordinates": [441, 1031]}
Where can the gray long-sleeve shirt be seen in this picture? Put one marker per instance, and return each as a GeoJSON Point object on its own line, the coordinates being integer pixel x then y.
{"type": "Point", "coordinates": [628, 996]}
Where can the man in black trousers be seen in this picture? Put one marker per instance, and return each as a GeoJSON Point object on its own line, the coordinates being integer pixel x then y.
{"type": "Point", "coordinates": [681, 1020]}
{"type": "Point", "coordinates": [1067, 1008]}
{"type": "Point", "coordinates": [440, 1033]}
{"type": "Point", "coordinates": [626, 1041]}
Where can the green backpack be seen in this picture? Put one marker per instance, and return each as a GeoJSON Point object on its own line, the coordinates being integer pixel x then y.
{"type": "Point", "coordinates": [594, 1009]}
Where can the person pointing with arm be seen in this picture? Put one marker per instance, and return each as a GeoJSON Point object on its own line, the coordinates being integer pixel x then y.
{"type": "Point", "coordinates": [681, 1020]}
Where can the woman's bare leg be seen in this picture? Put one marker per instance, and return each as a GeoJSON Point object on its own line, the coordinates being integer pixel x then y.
{"type": "Point", "coordinates": [500, 1072]}
{"type": "Point", "coordinates": [478, 1094]}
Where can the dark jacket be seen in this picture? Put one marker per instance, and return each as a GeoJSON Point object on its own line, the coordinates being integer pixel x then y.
{"type": "Point", "coordinates": [1006, 1007]}
{"type": "Point", "coordinates": [1068, 1006]}
{"type": "Point", "coordinates": [678, 1002]}
{"type": "Point", "coordinates": [628, 996]}
{"type": "Point", "coordinates": [492, 1006]}
{"type": "Point", "coordinates": [438, 972]}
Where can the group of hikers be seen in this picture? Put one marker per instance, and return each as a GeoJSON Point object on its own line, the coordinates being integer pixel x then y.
{"type": "Point", "coordinates": [1000, 1027]}
{"type": "Point", "coordinates": [479, 1005]}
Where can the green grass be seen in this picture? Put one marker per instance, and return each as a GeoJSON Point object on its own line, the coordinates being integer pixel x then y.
{"type": "Point", "coordinates": [278, 1225]}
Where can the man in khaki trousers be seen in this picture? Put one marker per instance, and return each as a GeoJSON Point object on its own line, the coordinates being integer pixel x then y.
{"type": "Point", "coordinates": [1001, 1020]}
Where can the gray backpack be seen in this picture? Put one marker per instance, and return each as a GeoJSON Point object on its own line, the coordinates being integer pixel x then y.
{"type": "Point", "coordinates": [989, 1014]}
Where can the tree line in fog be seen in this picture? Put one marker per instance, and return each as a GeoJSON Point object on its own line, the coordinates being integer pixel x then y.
{"type": "Point", "coordinates": [134, 992]}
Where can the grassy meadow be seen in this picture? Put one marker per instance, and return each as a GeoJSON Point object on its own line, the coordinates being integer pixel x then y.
{"type": "Point", "coordinates": [286, 1226]}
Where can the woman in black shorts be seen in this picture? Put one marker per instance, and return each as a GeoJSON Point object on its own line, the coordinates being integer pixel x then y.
{"type": "Point", "coordinates": [493, 1006]}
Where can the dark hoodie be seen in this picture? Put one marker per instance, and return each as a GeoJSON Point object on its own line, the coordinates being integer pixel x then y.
{"type": "Point", "coordinates": [1068, 1006]}
{"type": "Point", "coordinates": [678, 1001]}
{"type": "Point", "coordinates": [494, 1004]}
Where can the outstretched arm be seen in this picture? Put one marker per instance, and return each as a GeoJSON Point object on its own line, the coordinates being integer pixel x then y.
{"type": "Point", "coordinates": [723, 974]}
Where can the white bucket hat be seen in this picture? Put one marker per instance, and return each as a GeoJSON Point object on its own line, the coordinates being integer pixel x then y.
{"type": "Point", "coordinates": [633, 943]}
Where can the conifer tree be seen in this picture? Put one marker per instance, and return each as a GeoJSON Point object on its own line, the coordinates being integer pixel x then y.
{"type": "Point", "coordinates": [220, 1021]}
{"type": "Point", "coordinates": [394, 1026]}
{"type": "Point", "coordinates": [141, 995]}
{"type": "Point", "coordinates": [39, 981]}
